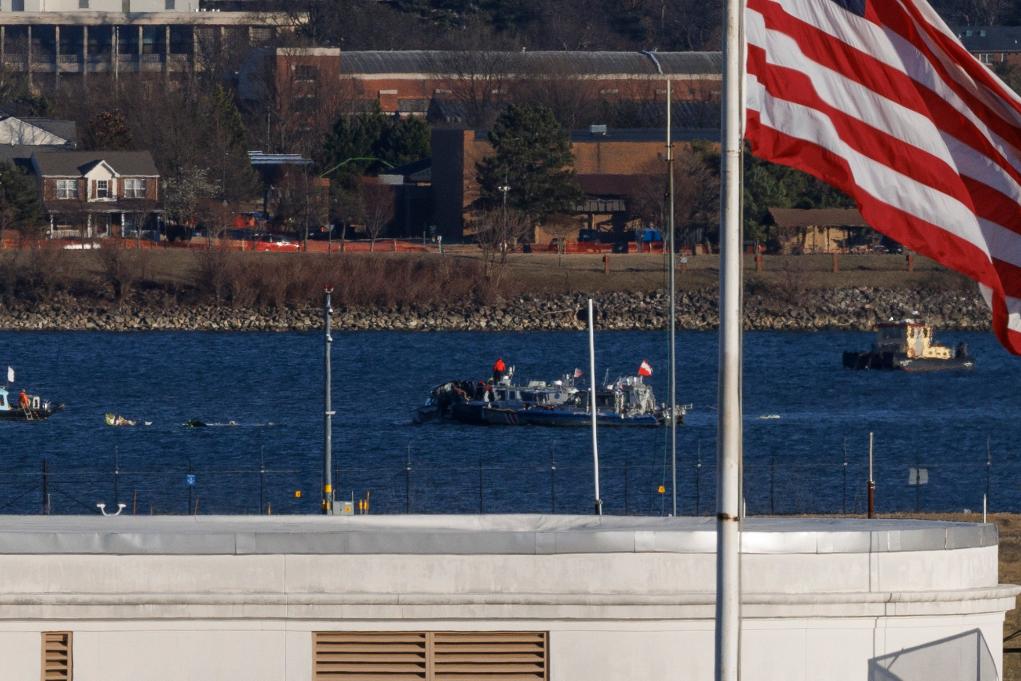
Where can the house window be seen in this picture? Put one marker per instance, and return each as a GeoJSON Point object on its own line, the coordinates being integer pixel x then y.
{"type": "Point", "coordinates": [134, 188]}
{"type": "Point", "coordinates": [306, 72]}
{"type": "Point", "coordinates": [102, 189]}
{"type": "Point", "coordinates": [83, 4]}
{"type": "Point", "coordinates": [67, 189]}
{"type": "Point", "coordinates": [57, 656]}
{"type": "Point", "coordinates": [170, 4]}
{"type": "Point", "coordinates": [17, 5]}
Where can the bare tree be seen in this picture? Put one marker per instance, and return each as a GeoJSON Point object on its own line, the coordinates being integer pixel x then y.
{"type": "Point", "coordinates": [186, 196]}
{"type": "Point", "coordinates": [497, 232]}
{"type": "Point", "coordinates": [561, 226]}
{"type": "Point", "coordinates": [573, 100]}
{"type": "Point", "coordinates": [377, 203]}
{"type": "Point", "coordinates": [479, 82]}
{"type": "Point", "coordinates": [696, 195]}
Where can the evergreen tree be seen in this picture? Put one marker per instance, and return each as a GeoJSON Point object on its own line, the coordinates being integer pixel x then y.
{"type": "Point", "coordinates": [20, 207]}
{"type": "Point", "coordinates": [767, 185]}
{"type": "Point", "coordinates": [227, 158]}
{"type": "Point", "coordinates": [532, 158]}
{"type": "Point", "coordinates": [370, 142]}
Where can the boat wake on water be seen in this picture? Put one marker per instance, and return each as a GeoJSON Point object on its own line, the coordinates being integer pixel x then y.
{"type": "Point", "coordinates": [199, 423]}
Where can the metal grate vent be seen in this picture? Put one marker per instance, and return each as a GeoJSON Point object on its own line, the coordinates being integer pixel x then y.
{"type": "Point", "coordinates": [56, 662]}
{"type": "Point", "coordinates": [517, 656]}
{"type": "Point", "coordinates": [391, 656]}
{"type": "Point", "coordinates": [439, 656]}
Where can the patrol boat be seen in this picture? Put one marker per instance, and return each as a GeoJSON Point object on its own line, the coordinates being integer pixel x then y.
{"type": "Point", "coordinates": [37, 410]}
{"type": "Point", "coordinates": [481, 403]}
{"type": "Point", "coordinates": [628, 401]}
{"type": "Point", "coordinates": [908, 346]}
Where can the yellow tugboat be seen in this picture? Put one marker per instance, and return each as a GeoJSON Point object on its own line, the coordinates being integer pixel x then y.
{"type": "Point", "coordinates": [908, 346]}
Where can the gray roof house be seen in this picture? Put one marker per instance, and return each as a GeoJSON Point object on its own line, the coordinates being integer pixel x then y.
{"type": "Point", "coordinates": [22, 136]}
{"type": "Point", "coordinates": [97, 193]}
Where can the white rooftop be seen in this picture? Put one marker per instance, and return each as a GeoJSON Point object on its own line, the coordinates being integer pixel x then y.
{"type": "Point", "coordinates": [470, 534]}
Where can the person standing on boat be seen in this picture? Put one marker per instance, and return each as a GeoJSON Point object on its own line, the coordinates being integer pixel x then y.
{"type": "Point", "coordinates": [498, 370]}
{"type": "Point", "coordinates": [23, 400]}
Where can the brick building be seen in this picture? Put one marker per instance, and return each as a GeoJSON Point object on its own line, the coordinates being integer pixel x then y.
{"type": "Point", "coordinates": [615, 168]}
{"type": "Point", "coordinates": [312, 81]}
{"type": "Point", "coordinates": [992, 44]}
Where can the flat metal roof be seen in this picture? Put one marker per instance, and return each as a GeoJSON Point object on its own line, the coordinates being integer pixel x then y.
{"type": "Point", "coordinates": [470, 534]}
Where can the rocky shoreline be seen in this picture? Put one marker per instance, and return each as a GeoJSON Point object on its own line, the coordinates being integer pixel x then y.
{"type": "Point", "coordinates": [851, 309]}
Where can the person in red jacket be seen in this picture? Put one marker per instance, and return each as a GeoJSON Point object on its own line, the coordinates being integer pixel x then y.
{"type": "Point", "coordinates": [23, 400]}
{"type": "Point", "coordinates": [499, 368]}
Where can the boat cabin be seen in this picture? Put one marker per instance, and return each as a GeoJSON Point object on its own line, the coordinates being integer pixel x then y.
{"type": "Point", "coordinates": [4, 405]}
{"type": "Point", "coordinates": [914, 339]}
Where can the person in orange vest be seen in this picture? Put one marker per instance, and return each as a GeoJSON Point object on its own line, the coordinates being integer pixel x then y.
{"type": "Point", "coordinates": [498, 370]}
{"type": "Point", "coordinates": [23, 400]}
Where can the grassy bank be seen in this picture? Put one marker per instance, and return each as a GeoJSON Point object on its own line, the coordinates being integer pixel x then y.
{"type": "Point", "coordinates": [268, 280]}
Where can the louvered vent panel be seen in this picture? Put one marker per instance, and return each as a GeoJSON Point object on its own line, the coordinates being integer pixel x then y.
{"type": "Point", "coordinates": [369, 656]}
{"type": "Point", "coordinates": [490, 656]}
{"type": "Point", "coordinates": [56, 662]}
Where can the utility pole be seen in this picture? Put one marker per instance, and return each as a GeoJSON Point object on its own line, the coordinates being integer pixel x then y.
{"type": "Point", "coordinates": [327, 405]}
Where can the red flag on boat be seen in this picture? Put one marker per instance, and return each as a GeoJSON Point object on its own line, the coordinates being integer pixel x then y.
{"type": "Point", "coordinates": [578, 373]}
{"type": "Point", "coordinates": [880, 99]}
{"type": "Point", "coordinates": [645, 369]}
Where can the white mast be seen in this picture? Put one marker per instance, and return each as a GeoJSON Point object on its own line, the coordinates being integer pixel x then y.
{"type": "Point", "coordinates": [592, 403]}
{"type": "Point", "coordinates": [671, 265]}
{"type": "Point", "coordinates": [729, 429]}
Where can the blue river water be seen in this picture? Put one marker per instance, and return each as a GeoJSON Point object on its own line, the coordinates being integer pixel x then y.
{"type": "Point", "coordinates": [806, 426]}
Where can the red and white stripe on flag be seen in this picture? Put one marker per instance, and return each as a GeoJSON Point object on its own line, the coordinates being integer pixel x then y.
{"type": "Point", "coordinates": [645, 369]}
{"type": "Point", "coordinates": [881, 100]}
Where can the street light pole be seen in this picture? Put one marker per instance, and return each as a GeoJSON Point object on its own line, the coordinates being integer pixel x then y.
{"type": "Point", "coordinates": [671, 265]}
{"type": "Point", "coordinates": [503, 189]}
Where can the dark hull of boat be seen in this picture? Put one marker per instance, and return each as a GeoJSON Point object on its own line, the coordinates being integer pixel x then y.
{"type": "Point", "coordinates": [561, 418]}
{"type": "Point", "coordinates": [570, 418]}
{"type": "Point", "coordinates": [469, 412]}
{"type": "Point", "coordinates": [890, 361]}
{"type": "Point", "coordinates": [18, 415]}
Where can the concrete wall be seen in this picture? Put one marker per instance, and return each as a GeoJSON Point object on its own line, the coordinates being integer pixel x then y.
{"type": "Point", "coordinates": [216, 599]}
{"type": "Point", "coordinates": [610, 616]}
{"type": "Point", "coordinates": [612, 650]}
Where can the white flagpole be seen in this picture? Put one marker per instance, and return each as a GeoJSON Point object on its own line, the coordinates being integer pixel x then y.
{"type": "Point", "coordinates": [729, 428]}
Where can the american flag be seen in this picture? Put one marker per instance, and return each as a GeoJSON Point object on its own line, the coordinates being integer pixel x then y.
{"type": "Point", "coordinates": [880, 99]}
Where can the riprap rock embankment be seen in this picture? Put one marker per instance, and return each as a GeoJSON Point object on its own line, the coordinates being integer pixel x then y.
{"type": "Point", "coordinates": [852, 309]}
